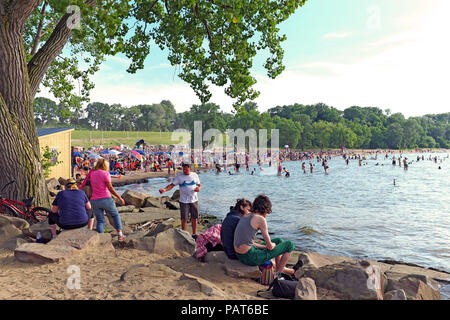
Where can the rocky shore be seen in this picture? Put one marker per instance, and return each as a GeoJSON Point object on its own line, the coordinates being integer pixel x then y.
{"type": "Point", "coordinates": [157, 261]}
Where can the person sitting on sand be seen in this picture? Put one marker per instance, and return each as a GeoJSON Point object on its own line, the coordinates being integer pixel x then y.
{"type": "Point", "coordinates": [254, 254]}
{"type": "Point", "coordinates": [71, 209]}
{"type": "Point", "coordinates": [241, 208]}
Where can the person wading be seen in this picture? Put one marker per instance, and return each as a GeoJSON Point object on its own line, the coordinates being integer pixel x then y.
{"type": "Point", "coordinates": [189, 183]}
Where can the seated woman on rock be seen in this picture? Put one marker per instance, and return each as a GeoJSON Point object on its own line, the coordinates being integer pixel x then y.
{"type": "Point", "coordinates": [254, 254]}
{"type": "Point", "coordinates": [71, 209]}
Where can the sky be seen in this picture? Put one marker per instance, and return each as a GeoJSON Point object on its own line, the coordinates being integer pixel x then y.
{"type": "Point", "coordinates": [390, 54]}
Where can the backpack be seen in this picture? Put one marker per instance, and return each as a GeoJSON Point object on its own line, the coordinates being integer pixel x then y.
{"type": "Point", "coordinates": [282, 288]}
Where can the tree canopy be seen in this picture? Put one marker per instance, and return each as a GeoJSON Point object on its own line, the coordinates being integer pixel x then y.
{"type": "Point", "coordinates": [300, 126]}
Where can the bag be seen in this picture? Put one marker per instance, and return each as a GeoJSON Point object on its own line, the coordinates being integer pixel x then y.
{"type": "Point", "coordinates": [284, 288]}
{"type": "Point", "coordinates": [281, 288]}
{"type": "Point", "coordinates": [267, 273]}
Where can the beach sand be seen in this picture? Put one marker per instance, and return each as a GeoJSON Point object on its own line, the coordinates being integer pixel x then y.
{"type": "Point", "coordinates": [101, 269]}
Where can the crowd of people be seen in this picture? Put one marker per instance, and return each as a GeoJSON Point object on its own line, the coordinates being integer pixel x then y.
{"type": "Point", "coordinates": [87, 200]}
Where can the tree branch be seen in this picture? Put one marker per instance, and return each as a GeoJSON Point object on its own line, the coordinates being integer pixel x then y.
{"type": "Point", "coordinates": [41, 61]}
{"type": "Point", "coordinates": [37, 39]}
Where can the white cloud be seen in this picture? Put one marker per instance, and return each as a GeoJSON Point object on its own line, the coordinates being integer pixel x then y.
{"type": "Point", "coordinates": [406, 72]}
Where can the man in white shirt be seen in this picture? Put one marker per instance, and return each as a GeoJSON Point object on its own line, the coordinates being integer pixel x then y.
{"type": "Point", "coordinates": [189, 183]}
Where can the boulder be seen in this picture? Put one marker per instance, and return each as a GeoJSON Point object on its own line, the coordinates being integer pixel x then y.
{"type": "Point", "coordinates": [8, 231]}
{"type": "Point", "coordinates": [395, 295]}
{"type": "Point", "coordinates": [42, 227]}
{"type": "Point", "coordinates": [355, 280]}
{"type": "Point", "coordinates": [81, 238]}
{"type": "Point", "coordinates": [202, 285]}
{"type": "Point", "coordinates": [129, 208]}
{"type": "Point", "coordinates": [153, 202]}
{"type": "Point", "coordinates": [416, 287]}
{"type": "Point", "coordinates": [161, 227]}
{"type": "Point", "coordinates": [306, 289]}
{"type": "Point", "coordinates": [62, 181]}
{"type": "Point", "coordinates": [16, 222]}
{"type": "Point", "coordinates": [173, 205]}
{"type": "Point", "coordinates": [148, 214]}
{"type": "Point", "coordinates": [43, 253]}
{"type": "Point", "coordinates": [233, 268]}
{"type": "Point", "coordinates": [14, 243]}
{"type": "Point", "coordinates": [175, 196]}
{"type": "Point", "coordinates": [173, 241]}
{"type": "Point", "coordinates": [134, 198]}
{"type": "Point", "coordinates": [53, 183]}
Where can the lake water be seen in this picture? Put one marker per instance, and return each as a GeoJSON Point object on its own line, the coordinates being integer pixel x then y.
{"type": "Point", "coordinates": [353, 211]}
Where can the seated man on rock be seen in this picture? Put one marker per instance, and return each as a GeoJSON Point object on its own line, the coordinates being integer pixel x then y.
{"type": "Point", "coordinates": [71, 209]}
{"type": "Point", "coordinates": [229, 224]}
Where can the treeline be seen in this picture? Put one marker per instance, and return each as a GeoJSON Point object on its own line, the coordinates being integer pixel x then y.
{"type": "Point", "coordinates": [300, 126]}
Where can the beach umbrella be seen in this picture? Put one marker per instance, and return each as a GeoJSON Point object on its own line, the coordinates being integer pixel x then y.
{"type": "Point", "coordinates": [77, 154]}
{"type": "Point", "coordinates": [95, 156]}
{"type": "Point", "coordinates": [116, 148]}
{"type": "Point", "coordinates": [141, 152]}
{"type": "Point", "coordinates": [107, 152]}
{"type": "Point", "coordinates": [115, 152]}
{"type": "Point", "coordinates": [137, 155]}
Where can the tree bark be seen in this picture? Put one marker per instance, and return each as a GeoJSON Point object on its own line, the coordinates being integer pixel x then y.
{"type": "Point", "coordinates": [19, 144]}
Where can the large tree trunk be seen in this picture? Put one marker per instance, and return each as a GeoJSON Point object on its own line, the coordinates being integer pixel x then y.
{"type": "Point", "coordinates": [19, 145]}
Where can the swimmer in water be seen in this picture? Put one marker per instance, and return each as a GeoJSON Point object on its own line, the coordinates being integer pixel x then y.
{"type": "Point", "coordinates": [304, 167]}
{"type": "Point", "coordinates": [311, 167]}
{"type": "Point", "coordinates": [286, 173]}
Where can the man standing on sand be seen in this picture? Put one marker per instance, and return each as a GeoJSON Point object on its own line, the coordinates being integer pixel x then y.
{"type": "Point", "coordinates": [189, 186]}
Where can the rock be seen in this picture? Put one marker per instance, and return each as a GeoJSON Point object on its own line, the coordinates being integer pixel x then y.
{"type": "Point", "coordinates": [216, 257]}
{"type": "Point", "coordinates": [129, 208]}
{"type": "Point", "coordinates": [43, 253]}
{"type": "Point", "coordinates": [104, 238]}
{"type": "Point", "coordinates": [153, 202]}
{"type": "Point", "coordinates": [202, 285]}
{"type": "Point", "coordinates": [233, 268]}
{"type": "Point", "coordinates": [134, 198]}
{"type": "Point", "coordinates": [16, 222]}
{"type": "Point", "coordinates": [148, 214]}
{"type": "Point", "coordinates": [395, 295]}
{"type": "Point", "coordinates": [355, 280]}
{"type": "Point", "coordinates": [161, 227]}
{"type": "Point", "coordinates": [416, 287]}
{"type": "Point", "coordinates": [81, 238]}
{"type": "Point", "coordinates": [53, 184]}
{"type": "Point", "coordinates": [175, 195]}
{"type": "Point", "coordinates": [173, 241]}
{"type": "Point", "coordinates": [173, 205]}
{"type": "Point", "coordinates": [306, 289]}
{"type": "Point", "coordinates": [8, 232]}
{"type": "Point", "coordinates": [42, 227]}
{"type": "Point", "coordinates": [14, 243]}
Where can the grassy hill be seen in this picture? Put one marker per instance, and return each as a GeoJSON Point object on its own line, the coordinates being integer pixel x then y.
{"type": "Point", "coordinates": [87, 138]}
